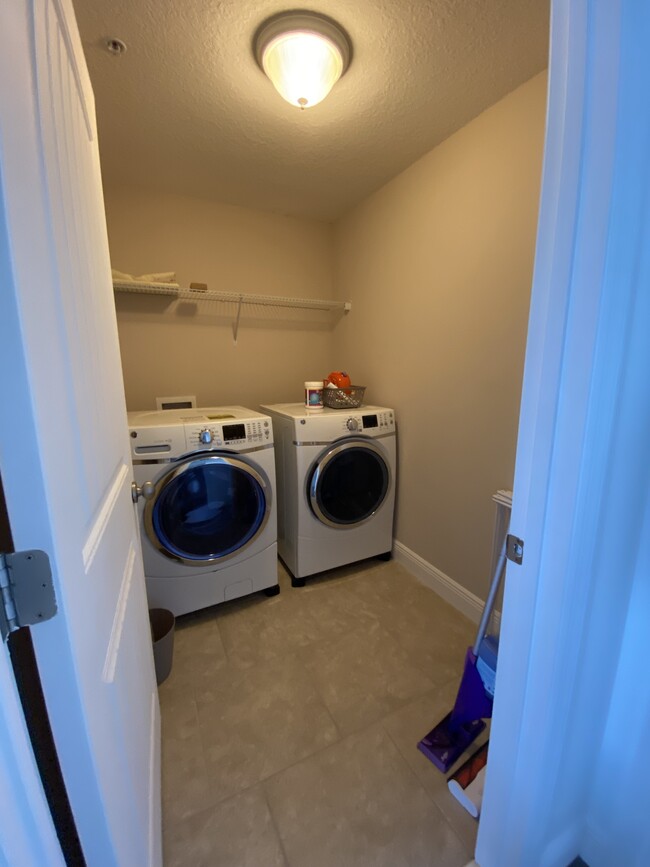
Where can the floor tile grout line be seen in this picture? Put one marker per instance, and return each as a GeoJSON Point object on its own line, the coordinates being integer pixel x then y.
{"type": "Point", "coordinates": [411, 773]}
{"type": "Point", "coordinates": [292, 653]}
{"type": "Point", "coordinates": [414, 658]}
{"type": "Point", "coordinates": [342, 738]}
{"type": "Point", "coordinates": [263, 780]}
{"type": "Point", "coordinates": [313, 645]}
{"type": "Point", "coordinates": [275, 823]}
{"type": "Point", "coordinates": [340, 734]}
{"type": "Point", "coordinates": [339, 738]}
{"type": "Point", "coordinates": [408, 656]}
{"type": "Point", "coordinates": [400, 704]}
{"type": "Point", "coordinates": [170, 827]}
{"type": "Point", "coordinates": [423, 787]}
{"type": "Point", "coordinates": [314, 685]}
{"type": "Point", "coordinates": [307, 757]}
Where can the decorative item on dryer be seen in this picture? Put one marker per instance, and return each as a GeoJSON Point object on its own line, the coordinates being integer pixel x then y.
{"type": "Point", "coordinates": [338, 379]}
{"type": "Point", "coordinates": [339, 393]}
{"type": "Point", "coordinates": [314, 395]}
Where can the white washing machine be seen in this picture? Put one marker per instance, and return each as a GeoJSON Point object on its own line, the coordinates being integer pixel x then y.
{"type": "Point", "coordinates": [207, 509]}
{"type": "Point", "coordinates": [336, 475]}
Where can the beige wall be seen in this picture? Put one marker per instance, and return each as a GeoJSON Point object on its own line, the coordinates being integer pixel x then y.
{"type": "Point", "coordinates": [183, 347]}
{"type": "Point", "coordinates": [438, 267]}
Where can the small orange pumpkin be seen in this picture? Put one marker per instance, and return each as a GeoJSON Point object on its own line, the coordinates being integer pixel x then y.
{"type": "Point", "coordinates": [340, 379]}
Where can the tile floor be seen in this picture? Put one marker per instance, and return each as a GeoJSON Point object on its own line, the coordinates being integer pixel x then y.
{"type": "Point", "coordinates": [290, 724]}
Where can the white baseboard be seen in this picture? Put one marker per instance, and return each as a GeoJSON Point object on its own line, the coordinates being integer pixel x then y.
{"type": "Point", "coordinates": [451, 591]}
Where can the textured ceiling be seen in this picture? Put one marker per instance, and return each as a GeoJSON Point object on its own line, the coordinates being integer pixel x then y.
{"type": "Point", "coordinates": [187, 110]}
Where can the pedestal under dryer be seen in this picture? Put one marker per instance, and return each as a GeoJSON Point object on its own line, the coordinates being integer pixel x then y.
{"type": "Point", "coordinates": [336, 476]}
{"type": "Point", "coordinates": [207, 509]}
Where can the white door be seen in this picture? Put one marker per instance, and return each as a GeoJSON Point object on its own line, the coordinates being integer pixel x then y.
{"type": "Point", "coordinates": [568, 767]}
{"type": "Point", "coordinates": [64, 456]}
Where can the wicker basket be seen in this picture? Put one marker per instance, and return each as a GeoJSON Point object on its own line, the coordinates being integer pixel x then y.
{"type": "Point", "coordinates": [344, 398]}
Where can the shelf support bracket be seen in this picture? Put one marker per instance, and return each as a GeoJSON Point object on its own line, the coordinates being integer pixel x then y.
{"type": "Point", "coordinates": [235, 326]}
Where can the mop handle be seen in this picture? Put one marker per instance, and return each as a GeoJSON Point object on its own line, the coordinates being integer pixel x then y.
{"type": "Point", "coordinates": [489, 602]}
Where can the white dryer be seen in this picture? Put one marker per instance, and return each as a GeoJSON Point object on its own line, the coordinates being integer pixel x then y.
{"type": "Point", "coordinates": [336, 475]}
{"type": "Point", "coordinates": [206, 505]}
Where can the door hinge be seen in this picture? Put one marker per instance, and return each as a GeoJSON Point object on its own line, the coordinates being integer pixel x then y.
{"type": "Point", "coordinates": [514, 549]}
{"type": "Point", "coordinates": [27, 590]}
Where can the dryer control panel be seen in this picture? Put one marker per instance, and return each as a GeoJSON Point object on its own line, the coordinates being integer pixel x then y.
{"type": "Point", "coordinates": [371, 421]}
{"type": "Point", "coordinates": [368, 422]}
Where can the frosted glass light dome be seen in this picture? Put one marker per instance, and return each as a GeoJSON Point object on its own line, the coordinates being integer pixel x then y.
{"type": "Point", "coordinates": [304, 55]}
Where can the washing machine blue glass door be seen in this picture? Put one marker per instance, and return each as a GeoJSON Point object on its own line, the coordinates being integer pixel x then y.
{"type": "Point", "coordinates": [207, 509]}
{"type": "Point", "coordinates": [348, 483]}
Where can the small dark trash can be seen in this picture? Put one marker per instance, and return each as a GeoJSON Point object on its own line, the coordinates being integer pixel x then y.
{"type": "Point", "coordinates": [162, 624]}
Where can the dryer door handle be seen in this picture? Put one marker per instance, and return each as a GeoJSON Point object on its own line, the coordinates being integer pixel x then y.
{"type": "Point", "coordinates": [146, 490]}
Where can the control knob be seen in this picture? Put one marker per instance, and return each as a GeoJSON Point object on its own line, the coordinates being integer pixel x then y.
{"type": "Point", "coordinates": [352, 424]}
{"type": "Point", "coordinates": [205, 436]}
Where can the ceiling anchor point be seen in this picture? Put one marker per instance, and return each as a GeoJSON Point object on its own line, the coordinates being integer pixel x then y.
{"type": "Point", "coordinates": [115, 46]}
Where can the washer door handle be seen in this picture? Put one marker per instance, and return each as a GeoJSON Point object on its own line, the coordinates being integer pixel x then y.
{"type": "Point", "coordinates": [147, 490]}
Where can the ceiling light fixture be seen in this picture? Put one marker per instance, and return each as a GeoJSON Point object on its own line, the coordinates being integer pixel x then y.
{"type": "Point", "coordinates": [304, 54]}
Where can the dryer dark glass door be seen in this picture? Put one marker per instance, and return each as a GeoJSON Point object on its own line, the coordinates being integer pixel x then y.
{"type": "Point", "coordinates": [207, 509]}
{"type": "Point", "coordinates": [348, 483]}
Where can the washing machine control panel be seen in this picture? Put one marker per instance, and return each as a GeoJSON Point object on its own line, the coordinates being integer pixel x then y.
{"type": "Point", "coordinates": [237, 434]}
{"type": "Point", "coordinates": [169, 434]}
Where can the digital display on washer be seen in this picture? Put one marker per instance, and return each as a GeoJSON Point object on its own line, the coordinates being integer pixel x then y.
{"type": "Point", "coordinates": [233, 432]}
{"type": "Point", "coordinates": [369, 421]}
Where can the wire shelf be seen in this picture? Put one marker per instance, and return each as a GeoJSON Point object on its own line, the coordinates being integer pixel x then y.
{"type": "Point", "coordinates": [229, 297]}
